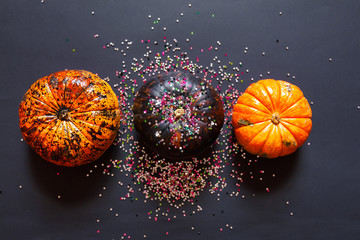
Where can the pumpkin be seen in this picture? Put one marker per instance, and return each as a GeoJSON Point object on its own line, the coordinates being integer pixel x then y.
{"type": "Point", "coordinates": [178, 115]}
{"type": "Point", "coordinates": [272, 118]}
{"type": "Point", "coordinates": [69, 117]}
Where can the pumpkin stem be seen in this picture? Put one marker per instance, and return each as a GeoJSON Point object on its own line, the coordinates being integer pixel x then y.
{"type": "Point", "coordinates": [179, 112]}
{"type": "Point", "coordinates": [64, 114]}
{"type": "Point", "coordinates": [275, 118]}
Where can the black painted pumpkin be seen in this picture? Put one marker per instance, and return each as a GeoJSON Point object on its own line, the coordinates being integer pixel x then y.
{"type": "Point", "coordinates": [178, 115]}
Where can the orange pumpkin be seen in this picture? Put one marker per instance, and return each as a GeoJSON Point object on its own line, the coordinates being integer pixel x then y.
{"type": "Point", "coordinates": [272, 118]}
{"type": "Point", "coordinates": [70, 117]}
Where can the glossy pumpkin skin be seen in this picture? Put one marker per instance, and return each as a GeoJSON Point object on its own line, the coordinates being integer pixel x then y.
{"type": "Point", "coordinates": [70, 117]}
{"type": "Point", "coordinates": [272, 118]}
{"type": "Point", "coordinates": [178, 115]}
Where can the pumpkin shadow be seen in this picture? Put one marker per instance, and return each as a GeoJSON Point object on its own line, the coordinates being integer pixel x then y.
{"type": "Point", "coordinates": [74, 185]}
{"type": "Point", "coordinates": [264, 176]}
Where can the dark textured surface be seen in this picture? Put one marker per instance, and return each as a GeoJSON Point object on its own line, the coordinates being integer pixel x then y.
{"type": "Point", "coordinates": [320, 181]}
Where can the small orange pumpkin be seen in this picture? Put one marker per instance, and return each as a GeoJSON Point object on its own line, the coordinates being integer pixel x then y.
{"type": "Point", "coordinates": [272, 118]}
{"type": "Point", "coordinates": [70, 117]}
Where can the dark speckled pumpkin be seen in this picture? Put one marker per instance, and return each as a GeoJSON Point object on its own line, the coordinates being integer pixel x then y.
{"type": "Point", "coordinates": [70, 117]}
{"type": "Point", "coordinates": [178, 115]}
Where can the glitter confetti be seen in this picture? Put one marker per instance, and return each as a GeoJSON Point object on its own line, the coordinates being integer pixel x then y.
{"type": "Point", "coordinates": [146, 177]}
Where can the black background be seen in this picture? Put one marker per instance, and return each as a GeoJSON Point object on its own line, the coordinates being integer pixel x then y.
{"type": "Point", "coordinates": [320, 181]}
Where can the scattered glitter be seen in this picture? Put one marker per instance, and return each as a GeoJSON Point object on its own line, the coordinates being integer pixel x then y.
{"type": "Point", "coordinates": [177, 183]}
{"type": "Point", "coordinates": [174, 185]}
